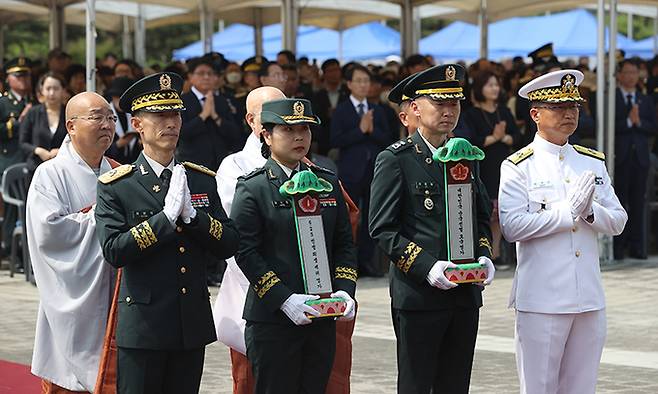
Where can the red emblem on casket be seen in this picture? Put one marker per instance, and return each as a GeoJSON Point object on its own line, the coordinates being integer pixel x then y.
{"type": "Point", "coordinates": [308, 204]}
{"type": "Point", "coordinates": [459, 172]}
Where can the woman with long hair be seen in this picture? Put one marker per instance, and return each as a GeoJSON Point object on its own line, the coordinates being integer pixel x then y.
{"type": "Point", "coordinates": [44, 127]}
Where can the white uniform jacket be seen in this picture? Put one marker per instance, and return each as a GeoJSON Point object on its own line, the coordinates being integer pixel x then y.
{"type": "Point", "coordinates": [558, 258]}
{"type": "Point", "coordinates": [229, 305]}
{"type": "Point", "coordinates": [73, 279]}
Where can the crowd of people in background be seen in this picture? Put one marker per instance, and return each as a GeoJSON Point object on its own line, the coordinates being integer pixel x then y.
{"type": "Point", "coordinates": [357, 120]}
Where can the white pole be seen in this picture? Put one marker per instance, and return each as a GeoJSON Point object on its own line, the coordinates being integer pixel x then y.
{"type": "Point", "coordinates": [483, 24]}
{"type": "Point", "coordinates": [406, 28]}
{"type": "Point", "coordinates": [56, 26]}
{"type": "Point", "coordinates": [607, 252]}
{"type": "Point", "coordinates": [629, 25]}
{"type": "Point", "coordinates": [600, 76]}
{"type": "Point", "coordinates": [126, 38]}
{"type": "Point", "coordinates": [258, 31]}
{"type": "Point", "coordinates": [655, 33]}
{"type": "Point", "coordinates": [140, 36]}
{"type": "Point", "coordinates": [340, 39]}
{"type": "Point", "coordinates": [285, 24]}
{"type": "Point", "coordinates": [415, 37]}
{"type": "Point", "coordinates": [221, 25]}
{"type": "Point", "coordinates": [91, 45]}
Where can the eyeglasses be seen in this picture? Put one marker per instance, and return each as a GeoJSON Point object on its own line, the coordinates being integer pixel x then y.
{"type": "Point", "coordinates": [561, 108]}
{"type": "Point", "coordinates": [279, 76]}
{"type": "Point", "coordinates": [204, 74]}
{"type": "Point", "coordinates": [97, 118]}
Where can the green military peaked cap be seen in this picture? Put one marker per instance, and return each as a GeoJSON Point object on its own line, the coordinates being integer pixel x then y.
{"type": "Point", "coordinates": [396, 95]}
{"type": "Point", "coordinates": [158, 92]}
{"type": "Point", "coordinates": [288, 111]}
{"type": "Point", "coordinates": [18, 65]}
{"type": "Point", "coordinates": [440, 83]}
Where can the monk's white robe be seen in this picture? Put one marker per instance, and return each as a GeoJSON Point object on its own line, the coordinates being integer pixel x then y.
{"type": "Point", "coordinates": [73, 279]}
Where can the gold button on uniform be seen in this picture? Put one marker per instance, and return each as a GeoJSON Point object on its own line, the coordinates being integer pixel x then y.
{"type": "Point", "coordinates": [183, 290]}
{"type": "Point", "coordinates": [128, 299]}
{"type": "Point", "coordinates": [561, 157]}
{"type": "Point", "coordinates": [577, 253]}
{"type": "Point", "coordinates": [179, 229]}
{"type": "Point", "coordinates": [181, 249]}
{"type": "Point", "coordinates": [182, 270]}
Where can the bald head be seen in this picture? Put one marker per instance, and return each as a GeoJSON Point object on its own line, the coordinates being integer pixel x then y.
{"type": "Point", "coordinates": [255, 101]}
{"type": "Point", "coordinates": [85, 101]}
{"type": "Point", "coordinates": [90, 124]}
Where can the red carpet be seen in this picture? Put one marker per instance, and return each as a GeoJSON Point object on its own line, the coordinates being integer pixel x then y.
{"type": "Point", "coordinates": [17, 379]}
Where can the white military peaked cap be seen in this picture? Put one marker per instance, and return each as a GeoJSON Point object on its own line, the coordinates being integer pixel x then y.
{"type": "Point", "coordinates": [554, 87]}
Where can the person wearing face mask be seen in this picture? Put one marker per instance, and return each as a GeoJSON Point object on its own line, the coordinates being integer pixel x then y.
{"type": "Point", "coordinates": [435, 320]}
{"type": "Point", "coordinates": [44, 127]}
{"type": "Point", "coordinates": [493, 129]}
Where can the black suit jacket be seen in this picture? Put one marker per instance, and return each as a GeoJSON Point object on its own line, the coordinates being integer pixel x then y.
{"type": "Point", "coordinates": [164, 302]}
{"type": "Point", "coordinates": [269, 255]}
{"type": "Point", "coordinates": [323, 109]}
{"type": "Point", "coordinates": [632, 143]}
{"type": "Point", "coordinates": [204, 142]}
{"type": "Point", "coordinates": [358, 150]}
{"type": "Point", "coordinates": [35, 132]}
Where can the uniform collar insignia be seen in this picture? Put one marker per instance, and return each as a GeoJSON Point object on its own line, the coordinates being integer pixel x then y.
{"type": "Point", "coordinates": [156, 188]}
{"type": "Point", "coordinates": [143, 170]}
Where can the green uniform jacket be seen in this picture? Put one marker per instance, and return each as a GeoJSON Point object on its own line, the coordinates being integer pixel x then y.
{"type": "Point", "coordinates": [10, 111]}
{"type": "Point", "coordinates": [413, 236]}
{"type": "Point", "coordinates": [269, 255]}
{"type": "Point", "coordinates": [163, 298]}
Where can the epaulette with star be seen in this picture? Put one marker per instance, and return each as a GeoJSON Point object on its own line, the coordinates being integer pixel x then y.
{"type": "Point", "coordinates": [400, 145]}
{"type": "Point", "coordinates": [116, 173]}
{"type": "Point", "coordinates": [583, 150]}
{"type": "Point", "coordinates": [252, 174]}
{"type": "Point", "coordinates": [200, 168]}
{"type": "Point", "coordinates": [520, 155]}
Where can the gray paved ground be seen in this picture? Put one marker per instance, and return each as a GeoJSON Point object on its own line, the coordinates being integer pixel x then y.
{"type": "Point", "coordinates": [630, 359]}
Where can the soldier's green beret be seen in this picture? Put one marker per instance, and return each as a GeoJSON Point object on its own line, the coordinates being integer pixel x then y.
{"type": "Point", "coordinates": [288, 111]}
{"type": "Point", "coordinates": [158, 92]}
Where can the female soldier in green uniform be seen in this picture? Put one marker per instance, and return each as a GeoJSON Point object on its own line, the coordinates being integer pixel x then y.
{"type": "Point", "coordinates": [289, 352]}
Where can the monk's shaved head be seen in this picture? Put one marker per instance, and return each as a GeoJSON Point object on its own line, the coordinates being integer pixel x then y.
{"type": "Point", "coordinates": [255, 101]}
{"type": "Point", "coordinates": [90, 123]}
{"type": "Point", "coordinates": [82, 103]}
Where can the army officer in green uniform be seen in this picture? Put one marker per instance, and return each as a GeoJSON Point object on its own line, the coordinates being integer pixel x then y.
{"type": "Point", "coordinates": [289, 352]}
{"type": "Point", "coordinates": [435, 320]}
{"type": "Point", "coordinates": [14, 105]}
{"type": "Point", "coordinates": [161, 221]}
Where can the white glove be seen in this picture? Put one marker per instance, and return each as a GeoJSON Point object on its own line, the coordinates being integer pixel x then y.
{"type": "Point", "coordinates": [188, 211]}
{"type": "Point", "coordinates": [581, 194]}
{"type": "Point", "coordinates": [349, 309]}
{"type": "Point", "coordinates": [491, 270]}
{"type": "Point", "coordinates": [437, 278]}
{"type": "Point", "coordinates": [174, 198]}
{"type": "Point", "coordinates": [296, 309]}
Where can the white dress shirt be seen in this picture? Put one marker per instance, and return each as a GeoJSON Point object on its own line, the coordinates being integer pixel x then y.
{"type": "Point", "coordinates": [356, 103]}
{"type": "Point", "coordinates": [558, 257]}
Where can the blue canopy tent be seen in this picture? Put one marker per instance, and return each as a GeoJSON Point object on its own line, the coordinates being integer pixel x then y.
{"type": "Point", "coordinates": [642, 48]}
{"type": "Point", "coordinates": [367, 41]}
{"type": "Point", "coordinates": [576, 36]}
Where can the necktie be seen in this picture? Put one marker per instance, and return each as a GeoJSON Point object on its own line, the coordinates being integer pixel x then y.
{"type": "Point", "coordinates": [629, 103]}
{"type": "Point", "coordinates": [164, 178]}
{"type": "Point", "coordinates": [361, 112]}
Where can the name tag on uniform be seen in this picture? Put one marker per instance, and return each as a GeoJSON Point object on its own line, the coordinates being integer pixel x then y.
{"type": "Point", "coordinates": [143, 214]}
{"type": "Point", "coordinates": [200, 200]}
{"type": "Point", "coordinates": [281, 204]}
{"type": "Point", "coordinates": [327, 202]}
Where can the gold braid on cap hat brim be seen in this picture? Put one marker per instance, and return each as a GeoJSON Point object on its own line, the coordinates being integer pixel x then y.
{"type": "Point", "coordinates": [18, 69]}
{"type": "Point", "coordinates": [555, 95]}
{"type": "Point", "coordinates": [298, 119]}
{"type": "Point", "coordinates": [442, 93]}
{"type": "Point", "coordinates": [159, 101]}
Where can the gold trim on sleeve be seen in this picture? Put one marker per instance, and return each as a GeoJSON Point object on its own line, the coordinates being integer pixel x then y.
{"type": "Point", "coordinates": [265, 283]}
{"type": "Point", "coordinates": [143, 234]}
{"type": "Point", "coordinates": [411, 252]}
{"type": "Point", "coordinates": [216, 228]}
{"type": "Point", "coordinates": [346, 273]}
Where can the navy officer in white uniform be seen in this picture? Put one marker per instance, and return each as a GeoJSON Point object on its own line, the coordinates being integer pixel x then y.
{"type": "Point", "coordinates": [555, 198]}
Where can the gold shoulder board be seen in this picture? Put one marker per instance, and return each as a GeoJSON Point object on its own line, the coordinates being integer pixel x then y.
{"type": "Point", "coordinates": [115, 173]}
{"type": "Point", "coordinates": [521, 155]}
{"type": "Point", "coordinates": [589, 152]}
{"type": "Point", "coordinates": [199, 168]}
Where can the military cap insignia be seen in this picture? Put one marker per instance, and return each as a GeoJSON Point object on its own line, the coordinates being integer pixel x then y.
{"type": "Point", "coordinates": [568, 83]}
{"type": "Point", "coordinates": [200, 168]}
{"type": "Point", "coordinates": [115, 173]}
{"type": "Point", "coordinates": [298, 108]}
{"type": "Point", "coordinates": [589, 152]}
{"type": "Point", "coordinates": [521, 155]}
{"type": "Point", "coordinates": [165, 82]}
{"type": "Point", "coordinates": [451, 73]}
{"type": "Point", "coordinates": [21, 61]}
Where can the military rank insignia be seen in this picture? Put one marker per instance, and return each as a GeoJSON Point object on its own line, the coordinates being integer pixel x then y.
{"type": "Point", "coordinates": [200, 200]}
